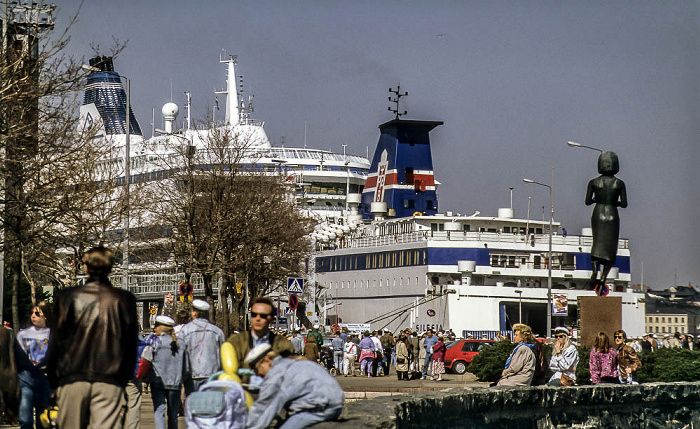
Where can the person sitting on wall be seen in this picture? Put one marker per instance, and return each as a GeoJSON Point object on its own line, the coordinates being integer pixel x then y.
{"type": "Point", "coordinates": [520, 366]}
{"type": "Point", "coordinates": [564, 359]}
{"type": "Point", "coordinates": [304, 389]}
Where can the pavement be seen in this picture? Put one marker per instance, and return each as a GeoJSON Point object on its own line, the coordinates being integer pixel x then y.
{"type": "Point", "coordinates": [356, 388]}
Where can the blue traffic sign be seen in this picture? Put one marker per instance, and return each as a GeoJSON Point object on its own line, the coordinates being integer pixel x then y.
{"type": "Point", "coordinates": [295, 285]}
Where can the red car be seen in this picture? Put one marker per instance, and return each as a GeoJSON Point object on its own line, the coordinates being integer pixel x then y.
{"type": "Point", "coordinates": [460, 353]}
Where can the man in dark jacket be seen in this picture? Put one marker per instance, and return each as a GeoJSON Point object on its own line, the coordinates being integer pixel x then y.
{"type": "Point", "coordinates": [92, 350]}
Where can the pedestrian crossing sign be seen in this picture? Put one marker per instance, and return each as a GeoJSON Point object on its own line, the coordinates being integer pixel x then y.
{"type": "Point", "coordinates": [295, 285]}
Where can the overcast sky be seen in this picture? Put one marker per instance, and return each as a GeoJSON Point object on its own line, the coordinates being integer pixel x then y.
{"type": "Point", "coordinates": [512, 80]}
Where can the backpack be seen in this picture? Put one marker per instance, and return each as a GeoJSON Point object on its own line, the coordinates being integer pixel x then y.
{"type": "Point", "coordinates": [217, 404]}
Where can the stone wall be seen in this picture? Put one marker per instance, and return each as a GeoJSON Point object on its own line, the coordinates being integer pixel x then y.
{"type": "Point", "coordinates": [653, 405]}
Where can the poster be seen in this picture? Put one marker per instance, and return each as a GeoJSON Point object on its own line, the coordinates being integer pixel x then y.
{"type": "Point", "coordinates": [560, 305]}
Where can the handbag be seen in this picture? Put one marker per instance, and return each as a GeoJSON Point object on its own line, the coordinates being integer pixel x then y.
{"type": "Point", "coordinates": [400, 360]}
{"type": "Point", "coordinates": [566, 380]}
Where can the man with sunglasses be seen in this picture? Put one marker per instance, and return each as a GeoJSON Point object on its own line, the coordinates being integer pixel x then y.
{"type": "Point", "coordinates": [627, 359]}
{"type": "Point", "coordinates": [262, 313]}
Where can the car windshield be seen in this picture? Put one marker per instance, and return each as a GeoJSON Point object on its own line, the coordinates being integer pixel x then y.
{"type": "Point", "coordinates": [452, 344]}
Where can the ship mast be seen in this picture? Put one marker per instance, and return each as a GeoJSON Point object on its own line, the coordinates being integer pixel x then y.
{"type": "Point", "coordinates": [232, 114]}
{"type": "Point", "coordinates": [396, 99]}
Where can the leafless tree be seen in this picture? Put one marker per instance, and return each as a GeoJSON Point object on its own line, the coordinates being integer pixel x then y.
{"type": "Point", "coordinates": [226, 215]}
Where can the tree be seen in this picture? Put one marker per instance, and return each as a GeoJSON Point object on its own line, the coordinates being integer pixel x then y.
{"type": "Point", "coordinates": [224, 215]}
{"type": "Point", "coordinates": [43, 150]}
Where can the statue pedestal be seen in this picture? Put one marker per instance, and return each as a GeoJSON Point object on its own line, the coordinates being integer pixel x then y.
{"type": "Point", "coordinates": [599, 313]}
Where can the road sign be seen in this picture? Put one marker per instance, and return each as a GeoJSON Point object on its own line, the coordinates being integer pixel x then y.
{"type": "Point", "coordinates": [602, 289]}
{"type": "Point", "coordinates": [295, 285]}
{"type": "Point", "coordinates": [293, 302]}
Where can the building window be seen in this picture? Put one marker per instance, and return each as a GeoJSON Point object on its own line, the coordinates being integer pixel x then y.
{"type": "Point", "coordinates": [676, 321]}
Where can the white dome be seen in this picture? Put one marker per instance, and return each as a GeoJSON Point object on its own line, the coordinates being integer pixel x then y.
{"type": "Point", "coordinates": [170, 110]}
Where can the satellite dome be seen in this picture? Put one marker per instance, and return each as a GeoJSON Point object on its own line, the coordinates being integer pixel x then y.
{"type": "Point", "coordinates": [170, 110]}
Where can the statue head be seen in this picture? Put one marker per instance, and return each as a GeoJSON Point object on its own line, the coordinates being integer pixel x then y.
{"type": "Point", "coordinates": [608, 164]}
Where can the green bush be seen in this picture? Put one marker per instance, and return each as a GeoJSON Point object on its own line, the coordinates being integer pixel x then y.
{"type": "Point", "coordinates": [664, 365]}
{"type": "Point", "coordinates": [669, 365]}
{"type": "Point", "coordinates": [489, 363]}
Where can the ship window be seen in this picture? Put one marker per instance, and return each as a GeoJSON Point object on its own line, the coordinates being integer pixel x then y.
{"type": "Point", "coordinates": [409, 204]}
{"type": "Point", "coordinates": [409, 175]}
{"type": "Point", "coordinates": [506, 229]}
{"type": "Point", "coordinates": [538, 230]}
{"type": "Point", "coordinates": [466, 227]}
{"type": "Point", "coordinates": [429, 205]}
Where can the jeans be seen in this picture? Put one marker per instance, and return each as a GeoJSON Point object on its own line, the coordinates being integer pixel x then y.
{"type": "Point", "coordinates": [160, 397]}
{"type": "Point", "coordinates": [338, 357]}
{"type": "Point", "coordinates": [386, 361]}
{"type": "Point", "coordinates": [308, 418]}
{"type": "Point", "coordinates": [35, 393]}
{"type": "Point", "coordinates": [426, 364]}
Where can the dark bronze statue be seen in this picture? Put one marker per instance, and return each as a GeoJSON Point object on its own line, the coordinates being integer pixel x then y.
{"type": "Point", "coordinates": [608, 193]}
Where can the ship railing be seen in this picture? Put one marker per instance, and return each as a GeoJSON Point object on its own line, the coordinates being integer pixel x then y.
{"type": "Point", "coordinates": [530, 240]}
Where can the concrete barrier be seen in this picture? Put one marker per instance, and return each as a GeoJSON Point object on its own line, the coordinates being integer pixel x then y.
{"type": "Point", "coordinates": [653, 405]}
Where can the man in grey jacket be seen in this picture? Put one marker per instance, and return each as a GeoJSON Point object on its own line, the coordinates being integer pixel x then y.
{"type": "Point", "coordinates": [304, 389]}
{"type": "Point", "coordinates": [202, 341]}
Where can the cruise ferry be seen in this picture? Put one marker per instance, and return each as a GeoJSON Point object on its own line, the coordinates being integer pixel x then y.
{"type": "Point", "coordinates": [408, 263]}
{"type": "Point", "coordinates": [321, 180]}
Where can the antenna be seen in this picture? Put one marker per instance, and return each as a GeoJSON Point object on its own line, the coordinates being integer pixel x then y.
{"type": "Point", "coordinates": [396, 99]}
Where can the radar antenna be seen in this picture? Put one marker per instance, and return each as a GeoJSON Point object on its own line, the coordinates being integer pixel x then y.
{"type": "Point", "coordinates": [396, 99]}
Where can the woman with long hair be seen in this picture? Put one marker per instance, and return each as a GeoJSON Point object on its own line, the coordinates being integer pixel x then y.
{"type": "Point", "coordinates": [564, 359]}
{"type": "Point", "coordinates": [31, 346]}
{"type": "Point", "coordinates": [163, 365]}
{"type": "Point", "coordinates": [603, 361]}
{"type": "Point", "coordinates": [520, 366]}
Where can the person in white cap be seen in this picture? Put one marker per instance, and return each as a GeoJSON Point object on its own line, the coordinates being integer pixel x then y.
{"type": "Point", "coordinates": [202, 341]}
{"type": "Point", "coordinates": [564, 359]}
{"type": "Point", "coordinates": [162, 365]}
{"type": "Point", "coordinates": [303, 389]}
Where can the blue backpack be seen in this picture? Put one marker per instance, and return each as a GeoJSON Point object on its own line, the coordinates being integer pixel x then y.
{"type": "Point", "coordinates": [217, 404]}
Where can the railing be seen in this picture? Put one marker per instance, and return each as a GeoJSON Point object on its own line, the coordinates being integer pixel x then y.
{"type": "Point", "coordinates": [477, 236]}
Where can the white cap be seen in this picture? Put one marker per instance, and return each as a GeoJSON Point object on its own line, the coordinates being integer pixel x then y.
{"type": "Point", "coordinates": [561, 330]}
{"type": "Point", "coordinates": [256, 353]}
{"type": "Point", "coordinates": [165, 320]}
{"type": "Point", "coordinates": [200, 305]}
{"type": "Point", "coordinates": [316, 325]}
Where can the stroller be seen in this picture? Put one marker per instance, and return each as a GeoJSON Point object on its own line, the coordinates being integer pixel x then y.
{"type": "Point", "coordinates": [217, 404]}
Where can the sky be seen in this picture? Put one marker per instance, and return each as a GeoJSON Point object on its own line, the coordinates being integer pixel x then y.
{"type": "Point", "coordinates": [513, 81]}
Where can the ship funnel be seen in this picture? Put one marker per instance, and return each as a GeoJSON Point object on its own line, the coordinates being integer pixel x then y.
{"type": "Point", "coordinates": [170, 111]}
{"type": "Point", "coordinates": [505, 213]}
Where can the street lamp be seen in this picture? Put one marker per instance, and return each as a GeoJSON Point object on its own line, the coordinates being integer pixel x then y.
{"type": "Point", "coordinates": [520, 305]}
{"type": "Point", "coordinates": [574, 144]}
{"type": "Point", "coordinates": [127, 170]}
{"type": "Point", "coordinates": [549, 262]}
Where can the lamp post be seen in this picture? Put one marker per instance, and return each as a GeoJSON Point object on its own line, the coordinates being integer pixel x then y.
{"type": "Point", "coordinates": [127, 171]}
{"type": "Point", "coordinates": [520, 305]}
{"type": "Point", "coordinates": [574, 144]}
{"type": "Point", "coordinates": [549, 262]}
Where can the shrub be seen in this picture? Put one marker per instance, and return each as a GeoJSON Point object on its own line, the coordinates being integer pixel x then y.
{"type": "Point", "coordinates": [669, 365]}
{"type": "Point", "coordinates": [489, 363]}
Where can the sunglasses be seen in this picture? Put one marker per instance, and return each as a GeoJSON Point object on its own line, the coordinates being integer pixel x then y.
{"type": "Point", "coordinates": [620, 337]}
{"type": "Point", "coordinates": [262, 315]}
{"type": "Point", "coordinates": [38, 314]}
{"type": "Point", "coordinates": [560, 336]}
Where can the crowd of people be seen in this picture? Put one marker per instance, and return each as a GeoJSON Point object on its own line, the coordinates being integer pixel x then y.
{"type": "Point", "coordinates": [85, 353]}
{"type": "Point", "coordinates": [88, 359]}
